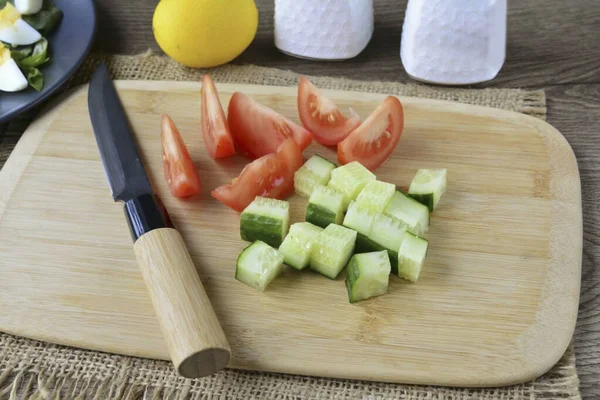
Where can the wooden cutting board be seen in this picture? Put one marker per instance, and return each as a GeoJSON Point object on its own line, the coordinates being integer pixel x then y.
{"type": "Point", "coordinates": [496, 303]}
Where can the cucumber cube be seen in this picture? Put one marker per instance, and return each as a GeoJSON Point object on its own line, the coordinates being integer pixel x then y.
{"type": "Point", "coordinates": [411, 256]}
{"type": "Point", "coordinates": [298, 244]}
{"type": "Point", "coordinates": [315, 172]}
{"type": "Point", "coordinates": [367, 275]}
{"type": "Point", "coordinates": [258, 265]}
{"type": "Point", "coordinates": [361, 220]}
{"type": "Point", "coordinates": [376, 195]}
{"type": "Point", "coordinates": [427, 187]}
{"type": "Point", "coordinates": [265, 219]}
{"type": "Point", "coordinates": [325, 207]}
{"type": "Point", "coordinates": [387, 233]}
{"type": "Point", "coordinates": [332, 250]}
{"type": "Point", "coordinates": [349, 180]}
{"type": "Point", "coordinates": [414, 214]}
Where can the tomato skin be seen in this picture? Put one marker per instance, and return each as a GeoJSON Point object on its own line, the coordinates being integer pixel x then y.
{"type": "Point", "coordinates": [215, 129]}
{"type": "Point", "coordinates": [322, 117]}
{"type": "Point", "coordinates": [373, 142]}
{"type": "Point", "coordinates": [180, 173]}
{"type": "Point", "coordinates": [258, 130]}
{"type": "Point", "coordinates": [271, 176]}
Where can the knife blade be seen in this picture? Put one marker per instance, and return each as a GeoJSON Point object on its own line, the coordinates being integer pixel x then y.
{"type": "Point", "coordinates": [196, 342]}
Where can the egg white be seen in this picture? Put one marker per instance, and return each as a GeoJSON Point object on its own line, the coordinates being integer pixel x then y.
{"type": "Point", "coordinates": [11, 77]}
{"type": "Point", "coordinates": [19, 33]}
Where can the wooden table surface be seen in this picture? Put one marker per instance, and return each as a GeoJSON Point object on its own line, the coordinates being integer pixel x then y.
{"type": "Point", "coordinates": [552, 45]}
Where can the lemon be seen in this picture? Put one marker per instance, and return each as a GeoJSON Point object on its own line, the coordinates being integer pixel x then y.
{"type": "Point", "coordinates": [204, 33]}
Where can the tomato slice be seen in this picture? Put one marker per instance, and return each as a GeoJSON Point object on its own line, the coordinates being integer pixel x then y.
{"type": "Point", "coordinates": [258, 130]}
{"type": "Point", "coordinates": [180, 172]}
{"type": "Point", "coordinates": [215, 130]}
{"type": "Point", "coordinates": [373, 142]}
{"type": "Point", "coordinates": [268, 176]}
{"type": "Point", "coordinates": [322, 117]}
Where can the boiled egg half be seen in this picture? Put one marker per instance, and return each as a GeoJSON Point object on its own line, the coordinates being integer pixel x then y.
{"type": "Point", "coordinates": [11, 77]}
{"type": "Point", "coordinates": [14, 30]}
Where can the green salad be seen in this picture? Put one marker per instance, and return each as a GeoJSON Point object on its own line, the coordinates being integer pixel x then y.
{"type": "Point", "coordinates": [24, 27]}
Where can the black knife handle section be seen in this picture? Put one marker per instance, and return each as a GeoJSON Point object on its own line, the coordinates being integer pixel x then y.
{"type": "Point", "coordinates": [146, 213]}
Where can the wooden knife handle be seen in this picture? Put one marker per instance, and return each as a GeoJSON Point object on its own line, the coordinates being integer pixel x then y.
{"type": "Point", "coordinates": [195, 339]}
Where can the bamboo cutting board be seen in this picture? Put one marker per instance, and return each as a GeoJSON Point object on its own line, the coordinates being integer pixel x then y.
{"type": "Point", "coordinates": [496, 303]}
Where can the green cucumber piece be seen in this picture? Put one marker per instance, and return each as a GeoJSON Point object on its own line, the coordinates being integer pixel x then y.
{"type": "Point", "coordinates": [332, 250]}
{"type": "Point", "coordinates": [265, 219]}
{"type": "Point", "coordinates": [427, 187]}
{"type": "Point", "coordinates": [315, 172]}
{"type": "Point", "coordinates": [258, 264]}
{"type": "Point", "coordinates": [349, 180]}
{"type": "Point", "coordinates": [298, 244]}
{"type": "Point", "coordinates": [387, 233]}
{"type": "Point", "coordinates": [376, 195]}
{"type": "Point", "coordinates": [411, 256]}
{"type": "Point", "coordinates": [360, 219]}
{"type": "Point", "coordinates": [367, 275]}
{"type": "Point", "coordinates": [406, 209]}
{"type": "Point", "coordinates": [325, 207]}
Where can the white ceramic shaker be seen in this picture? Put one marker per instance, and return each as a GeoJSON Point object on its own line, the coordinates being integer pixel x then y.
{"type": "Point", "coordinates": [454, 42]}
{"type": "Point", "coordinates": [323, 29]}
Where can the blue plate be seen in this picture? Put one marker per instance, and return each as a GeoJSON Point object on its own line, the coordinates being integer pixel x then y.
{"type": "Point", "coordinates": [69, 45]}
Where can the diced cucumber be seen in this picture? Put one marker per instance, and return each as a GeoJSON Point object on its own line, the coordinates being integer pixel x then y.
{"type": "Point", "coordinates": [316, 171]}
{"type": "Point", "coordinates": [376, 195]}
{"type": "Point", "coordinates": [298, 244]}
{"type": "Point", "coordinates": [265, 219]}
{"type": "Point", "coordinates": [258, 265]}
{"type": "Point", "coordinates": [349, 180]}
{"type": "Point", "coordinates": [325, 207]}
{"type": "Point", "coordinates": [332, 250]}
{"type": "Point", "coordinates": [414, 214]}
{"type": "Point", "coordinates": [387, 233]}
{"type": "Point", "coordinates": [427, 187]}
{"type": "Point", "coordinates": [367, 275]}
{"type": "Point", "coordinates": [360, 219]}
{"type": "Point", "coordinates": [411, 256]}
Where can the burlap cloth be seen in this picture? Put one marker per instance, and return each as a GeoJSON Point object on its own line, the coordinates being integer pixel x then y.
{"type": "Point", "coordinates": [33, 369]}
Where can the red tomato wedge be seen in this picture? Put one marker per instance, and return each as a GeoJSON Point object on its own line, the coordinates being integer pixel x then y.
{"type": "Point", "coordinates": [268, 176]}
{"type": "Point", "coordinates": [375, 139]}
{"type": "Point", "coordinates": [180, 172]}
{"type": "Point", "coordinates": [215, 130]}
{"type": "Point", "coordinates": [322, 117]}
{"type": "Point", "coordinates": [258, 130]}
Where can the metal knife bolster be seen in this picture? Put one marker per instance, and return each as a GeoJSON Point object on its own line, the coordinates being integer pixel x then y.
{"type": "Point", "coordinates": [146, 213]}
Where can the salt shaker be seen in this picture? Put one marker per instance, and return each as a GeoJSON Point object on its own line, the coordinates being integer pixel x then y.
{"type": "Point", "coordinates": [454, 42]}
{"type": "Point", "coordinates": [323, 29]}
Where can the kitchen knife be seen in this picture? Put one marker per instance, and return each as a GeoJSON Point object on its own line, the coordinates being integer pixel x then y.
{"type": "Point", "coordinates": [196, 342]}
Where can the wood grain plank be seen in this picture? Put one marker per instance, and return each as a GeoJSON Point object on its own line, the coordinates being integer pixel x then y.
{"type": "Point", "coordinates": [549, 42]}
{"type": "Point", "coordinates": [575, 111]}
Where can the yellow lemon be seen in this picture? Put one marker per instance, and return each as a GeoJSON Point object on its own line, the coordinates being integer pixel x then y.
{"type": "Point", "coordinates": [204, 33]}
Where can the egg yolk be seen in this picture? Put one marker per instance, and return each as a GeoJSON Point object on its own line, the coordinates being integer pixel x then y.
{"type": "Point", "coordinates": [8, 16]}
{"type": "Point", "coordinates": [4, 54]}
